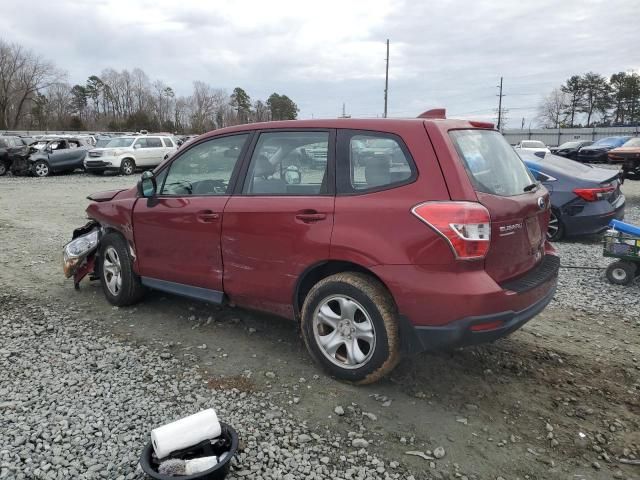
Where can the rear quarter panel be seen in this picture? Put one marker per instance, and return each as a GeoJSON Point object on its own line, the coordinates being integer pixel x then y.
{"type": "Point", "coordinates": [379, 228]}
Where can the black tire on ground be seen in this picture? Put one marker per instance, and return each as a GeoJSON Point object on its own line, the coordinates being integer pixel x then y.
{"type": "Point", "coordinates": [96, 172]}
{"type": "Point", "coordinates": [41, 169]}
{"type": "Point", "coordinates": [373, 301]}
{"type": "Point", "coordinates": [115, 260]}
{"type": "Point", "coordinates": [3, 168]}
{"type": "Point", "coordinates": [621, 272]}
{"type": "Point", "coordinates": [127, 166]}
{"type": "Point", "coordinates": [555, 230]}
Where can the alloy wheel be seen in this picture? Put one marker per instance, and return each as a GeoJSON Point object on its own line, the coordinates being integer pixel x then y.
{"type": "Point", "coordinates": [112, 272]}
{"type": "Point", "coordinates": [344, 331]}
{"type": "Point", "coordinates": [554, 226]}
{"type": "Point", "coordinates": [41, 169]}
{"type": "Point", "coordinates": [127, 167]}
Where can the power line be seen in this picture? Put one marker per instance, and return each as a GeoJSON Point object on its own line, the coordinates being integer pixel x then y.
{"type": "Point", "coordinates": [386, 81]}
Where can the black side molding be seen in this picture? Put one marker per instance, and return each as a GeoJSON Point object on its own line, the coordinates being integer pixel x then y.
{"type": "Point", "coordinates": [197, 293]}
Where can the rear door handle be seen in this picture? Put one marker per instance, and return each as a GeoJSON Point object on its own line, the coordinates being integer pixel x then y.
{"type": "Point", "coordinates": [207, 216]}
{"type": "Point", "coordinates": [310, 217]}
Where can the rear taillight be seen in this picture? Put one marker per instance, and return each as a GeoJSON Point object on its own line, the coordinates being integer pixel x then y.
{"type": "Point", "coordinates": [465, 225]}
{"type": "Point", "coordinates": [594, 194]}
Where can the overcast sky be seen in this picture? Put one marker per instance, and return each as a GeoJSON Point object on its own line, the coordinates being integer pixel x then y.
{"type": "Point", "coordinates": [324, 53]}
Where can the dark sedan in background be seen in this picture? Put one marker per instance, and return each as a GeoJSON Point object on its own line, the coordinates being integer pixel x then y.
{"type": "Point", "coordinates": [597, 153]}
{"type": "Point", "coordinates": [570, 149]}
{"type": "Point", "coordinates": [584, 198]}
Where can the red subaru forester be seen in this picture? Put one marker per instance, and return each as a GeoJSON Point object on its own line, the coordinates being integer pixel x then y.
{"type": "Point", "coordinates": [379, 236]}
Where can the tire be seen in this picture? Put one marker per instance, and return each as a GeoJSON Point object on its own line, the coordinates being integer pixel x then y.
{"type": "Point", "coordinates": [127, 166]}
{"type": "Point", "coordinates": [372, 327]}
{"type": "Point", "coordinates": [41, 169]}
{"type": "Point", "coordinates": [120, 284]}
{"type": "Point", "coordinates": [3, 169]}
{"type": "Point", "coordinates": [621, 272]}
{"type": "Point", "coordinates": [555, 230]}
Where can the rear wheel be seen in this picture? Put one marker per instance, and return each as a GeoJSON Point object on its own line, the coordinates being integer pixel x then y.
{"type": "Point", "coordinates": [349, 326]}
{"type": "Point", "coordinates": [555, 230]}
{"type": "Point", "coordinates": [621, 272]}
{"type": "Point", "coordinates": [120, 284]}
{"type": "Point", "coordinates": [41, 169]}
{"type": "Point", "coordinates": [3, 169]}
{"type": "Point", "coordinates": [127, 166]}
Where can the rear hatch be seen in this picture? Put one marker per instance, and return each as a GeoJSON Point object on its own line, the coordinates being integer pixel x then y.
{"type": "Point", "coordinates": [517, 205]}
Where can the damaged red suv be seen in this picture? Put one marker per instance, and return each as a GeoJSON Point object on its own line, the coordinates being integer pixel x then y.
{"type": "Point", "coordinates": [379, 236]}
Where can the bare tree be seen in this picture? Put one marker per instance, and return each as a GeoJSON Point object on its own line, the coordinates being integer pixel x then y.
{"type": "Point", "coordinates": [552, 112]}
{"type": "Point", "coordinates": [205, 103]}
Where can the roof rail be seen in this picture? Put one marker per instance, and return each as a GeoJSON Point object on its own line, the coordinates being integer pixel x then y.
{"type": "Point", "coordinates": [434, 113]}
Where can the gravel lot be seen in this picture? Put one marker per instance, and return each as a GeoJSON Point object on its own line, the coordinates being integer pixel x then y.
{"type": "Point", "coordinates": [82, 383]}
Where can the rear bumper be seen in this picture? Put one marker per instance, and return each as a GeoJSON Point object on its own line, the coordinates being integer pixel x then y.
{"type": "Point", "coordinates": [440, 310]}
{"type": "Point", "coordinates": [594, 218]}
{"type": "Point", "coordinates": [475, 330]}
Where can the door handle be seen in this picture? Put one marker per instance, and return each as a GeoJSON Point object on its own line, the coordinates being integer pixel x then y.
{"type": "Point", "coordinates": [206, 216]}
{"type": "Point", "coordinates": [310, 216]}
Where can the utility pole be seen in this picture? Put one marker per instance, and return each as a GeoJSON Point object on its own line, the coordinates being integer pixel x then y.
{"type": "Point", "coordinates": [500, 105]}
{"type": "Point", "coordinates": [522, 125]}
{"type": "Point", "coordinates": [386, 81]}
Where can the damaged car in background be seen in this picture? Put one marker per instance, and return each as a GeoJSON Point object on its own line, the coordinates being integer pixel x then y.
{"type": "Point", "coordinates": [53, 156]}
{"type": "Point", "coordinates": [13, 150]}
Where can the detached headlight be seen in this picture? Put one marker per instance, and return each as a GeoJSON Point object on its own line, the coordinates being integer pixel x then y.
{"type": "Point", "coordinates": [77, 249]}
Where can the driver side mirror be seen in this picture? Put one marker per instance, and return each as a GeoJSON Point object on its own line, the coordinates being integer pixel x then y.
{"type": "Point", "coordinates": [147, 185]}
{"type": "Point", "coordinates": [137, 146]}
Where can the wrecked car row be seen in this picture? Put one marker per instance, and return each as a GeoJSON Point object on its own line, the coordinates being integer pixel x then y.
{"type": "Point", "coordinates": [42, 157]}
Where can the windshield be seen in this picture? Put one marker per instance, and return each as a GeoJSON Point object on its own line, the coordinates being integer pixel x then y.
{"type": "Point", "coordinates": [634, 142]}
{"type": "Point", "coordinates": [492, 165]}
{"type": "Point", "coordinates": [102, 142]}
{"type": "Point", "coordinates": [119, 142]}
{"type": "Point", "coordinates": [533, 144]}
{"type": "Point", "coordinates": [611, 141]}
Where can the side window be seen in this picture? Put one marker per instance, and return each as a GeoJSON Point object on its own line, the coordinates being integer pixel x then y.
{"type": "Point", "coordinates": [154, 142]}
{"type": "Point", "coordinates": [167, 142]}
{"type": "Point", "coordinates": [204, 169]}
{"type": "Point", "coordinates": [140, 143]}
{"type": "Point", "coordinates": [289, 163]}
{"type": "Point", "coordinates": [375, 161]}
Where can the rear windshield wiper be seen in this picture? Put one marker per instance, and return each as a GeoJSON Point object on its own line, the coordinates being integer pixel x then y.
{"type": "Point", "coordinates": [533, 186]}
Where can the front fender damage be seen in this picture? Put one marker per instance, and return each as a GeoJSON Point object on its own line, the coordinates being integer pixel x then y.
{"type": "Point", "coordinates": [79, 255]}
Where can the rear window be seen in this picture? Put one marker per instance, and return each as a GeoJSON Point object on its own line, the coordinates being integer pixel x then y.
{"type": "Point", "coordinates": [492, 165]}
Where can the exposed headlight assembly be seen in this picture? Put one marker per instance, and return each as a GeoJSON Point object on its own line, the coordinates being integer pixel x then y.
{"type": "Point", "coordinates": [78, 249]}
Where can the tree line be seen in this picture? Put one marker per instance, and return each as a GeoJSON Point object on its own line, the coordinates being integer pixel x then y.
{"type": "Point", "coordinates": [35, 95]}
{"type": "Point", "coordinates": [592, 100]}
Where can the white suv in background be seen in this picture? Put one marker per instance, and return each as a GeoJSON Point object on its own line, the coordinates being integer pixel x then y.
{"type": "Point", "coordinates": [125, 154]}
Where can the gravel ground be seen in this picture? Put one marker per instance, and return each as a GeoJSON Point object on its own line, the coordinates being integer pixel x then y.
{"type": "Point", "coordinates": [82, 383]}
{"type": "Point", "coordinates": [80, 405]}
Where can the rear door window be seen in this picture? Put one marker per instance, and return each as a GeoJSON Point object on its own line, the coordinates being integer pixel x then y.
{"type": "Point", "coordinates": [492, 165]}
{"type": "Point", "coordinates": [153, 142]}
{"type": "Point", "coordinates": [167, 142]}
{"type": "Point", "coordinates": [371, 161]}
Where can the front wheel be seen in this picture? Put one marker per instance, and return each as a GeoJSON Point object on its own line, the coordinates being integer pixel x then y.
{"type": "Point", "coordinates": [621, 272]}
{"type": "Point", "coordinates": [349, 325]}
{"type": "Point", "coordinates": [41, 169]}
{"type": "Point", "coordinates": [3, 168]}
{"type": "Point", "coordinates": [127, 167]}
{"type": "Point", "coordinates": [120, 284]}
